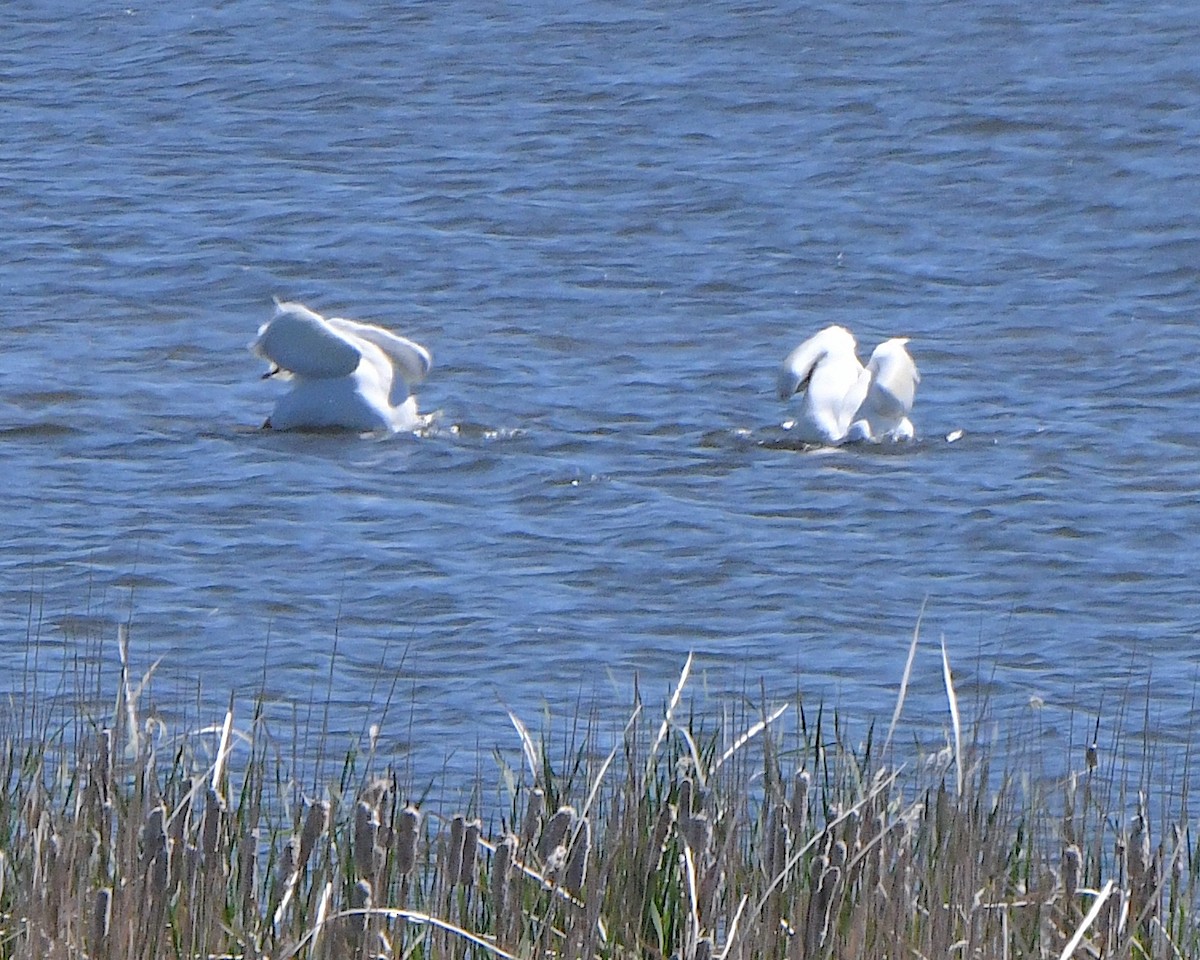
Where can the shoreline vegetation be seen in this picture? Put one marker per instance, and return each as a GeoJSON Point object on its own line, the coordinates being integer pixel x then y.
{"type": "Point", "coordinates": [682, 841]}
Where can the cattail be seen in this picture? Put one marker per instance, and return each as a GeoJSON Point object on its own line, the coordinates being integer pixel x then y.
{"type": "Point", "coordinates": [1072, 869]}
{"type": "Point", "coordinates": [154, 837]}
{"type": "Point", "coordinates": [470, 850]}
{"type": "Point", "coordinates": [576, 869]}
{"type": "Point", "coordinates": [696, 831]}
{"type": "Point", "coordinates": [378, 794]}
{"type": "Point", "coordinates": [155, 860]}
{"type": "Point", "coordinates": [354, 927]}
{"type": "Point", "coordinates": [366, 827]}
{"type": "Point", "coordinates": [775, 858]}
{"type": "Point", "coordinates": [533, 816]}
{"type": "Point", "coordinates": [315, 824]}
{"type": "Point", "coordinates": [362, 895]}
{"type": "Point", "coordinates": [798, 822]}
{"type": "Point", "coordinates": [685, 797]}
{"type": "Point", "coordinates": [289, 858]}
{"type": "Point", "coordinates": [850, 830]}
{"type": "Point", "coordinates": [454, 850]}
{"type": "Point", "coordinates": [502, 861]}
{"type": "Point", "coordinates": [815, 920]}
{"type": "Point", "coordinates": [555, 831]}
{"type": "Point", "coordinates": [101, 919]}
{"type": "Point", "coordinates": [159, 878]}
{"type": "Point", "coordinates": [707, 893]}
{"type": "Point", "coordinates": [406, 839]}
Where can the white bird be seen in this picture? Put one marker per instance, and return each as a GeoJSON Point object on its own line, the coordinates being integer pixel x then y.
{"type": "Point", "coordinates": [345, 374]}
{"type": "Point", "coordinates": [842, 401]}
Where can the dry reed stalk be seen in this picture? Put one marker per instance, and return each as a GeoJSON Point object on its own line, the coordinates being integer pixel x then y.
{"type": "Point", "coordinates": [668, 715]}
{"type": "Point", "coordinates": [955, 720]}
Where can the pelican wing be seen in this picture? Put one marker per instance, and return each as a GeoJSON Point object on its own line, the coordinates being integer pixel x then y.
{"type": "Point", "coordinates": [410, 359]}
{"type": "Point", "coordinates": [303, 343]}
{"type": "Point", "coordinates": [894, 379]}
{"type": "Point", "coordinates": [835, 343]}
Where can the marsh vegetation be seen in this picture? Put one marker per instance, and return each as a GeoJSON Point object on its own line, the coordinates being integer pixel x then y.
{"type": "Point", "coordinates": [675, 836]}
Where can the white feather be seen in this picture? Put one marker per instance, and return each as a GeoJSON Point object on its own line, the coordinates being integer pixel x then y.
{"type": "Point", "coordinates": [842, 401]}
{"type": "Point", "coordinates": [343, 373]}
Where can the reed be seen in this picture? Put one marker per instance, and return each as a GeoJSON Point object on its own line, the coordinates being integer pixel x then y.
{"type": "Point", "coordinates": [685, 839]}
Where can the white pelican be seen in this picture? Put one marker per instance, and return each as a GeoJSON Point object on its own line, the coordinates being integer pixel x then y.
{"type": "Point", "coordinates": [344, 374]}
{"type": "Point", "coordinates": [842, 401]}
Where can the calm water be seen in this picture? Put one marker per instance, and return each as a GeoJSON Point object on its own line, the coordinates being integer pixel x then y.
{"type": "Point", "coordinates": [609, 223]}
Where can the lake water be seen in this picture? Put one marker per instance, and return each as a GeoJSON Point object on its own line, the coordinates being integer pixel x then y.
{"type": "Point", "coordinates": [609, 223]}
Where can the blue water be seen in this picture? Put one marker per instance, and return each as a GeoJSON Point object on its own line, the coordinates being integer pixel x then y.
{"type": "Point", "coordinates": [609, 223]}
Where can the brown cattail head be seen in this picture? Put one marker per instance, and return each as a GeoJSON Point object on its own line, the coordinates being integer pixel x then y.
{"type": "Point", "coordinates": [366, 829]}
{"type": "Point", "coordinates": [101, 918]}
{"type": "Point", "coordinates": [470, 850]}
{"type": "Point", "coordinates": [406, 838]}
{"type": "Point", "coordinates": [555, 831]}
{"type": "Point", "coordinates": [577, 860]}
{"type": "Point", "coordinates": [533, 816]}
{"type": "Point", "coordinates": [685, 797]}
{"type": "Point", "coordinates": [315, 825]}
{"type": "Point", "coordinates": [154, 835]}
{"type": "Point", "coordinates": [362, 896]}
{"type": "Point", "coordinates": [454, 849]}
{"type": "Point", "coordinates": [502, 861]}
{"type": "Point", "coordinates": [798, 821]}
{"type": "Point", "coordinates": [696, 831]}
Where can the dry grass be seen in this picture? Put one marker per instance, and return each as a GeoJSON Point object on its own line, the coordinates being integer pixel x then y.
{"type": "Point", "coordinates": [679, 842]}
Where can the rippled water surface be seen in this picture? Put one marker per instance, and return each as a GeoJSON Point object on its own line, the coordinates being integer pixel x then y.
{"type": "Point", "coordinates": [608, 222]}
